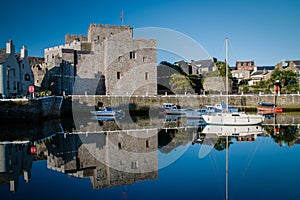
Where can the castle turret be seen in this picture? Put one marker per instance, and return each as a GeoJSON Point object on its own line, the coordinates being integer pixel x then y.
{"type": "Point", "coordinates": [10, 47]}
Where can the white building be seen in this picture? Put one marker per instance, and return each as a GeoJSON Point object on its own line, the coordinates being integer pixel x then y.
{"type": "Point", "coordinates": [15, 71]}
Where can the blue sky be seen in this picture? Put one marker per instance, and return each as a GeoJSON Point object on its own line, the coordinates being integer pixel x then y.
{"type": "Point", "coordinates": [266, 31]}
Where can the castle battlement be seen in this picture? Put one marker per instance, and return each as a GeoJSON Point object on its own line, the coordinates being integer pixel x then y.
{"type": "Point", "coordinates": [109, 26]}
{"type": "Point", "coordinates": [69, 38]}
{"type": "Point", "coordinates": [68, 45]}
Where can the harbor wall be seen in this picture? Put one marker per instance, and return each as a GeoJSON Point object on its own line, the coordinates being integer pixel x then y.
{"type": "Point", "coordinates": [34, 109]}
{"type": "Point", "coordinates": [190, 101]}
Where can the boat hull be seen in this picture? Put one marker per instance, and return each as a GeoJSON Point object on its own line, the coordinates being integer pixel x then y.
{"type": "Point", "coordinates": [269, 110]}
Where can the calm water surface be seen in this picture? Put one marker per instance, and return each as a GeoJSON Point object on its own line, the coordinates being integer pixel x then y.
{"type": "Point", "coordinates": [150, 160]}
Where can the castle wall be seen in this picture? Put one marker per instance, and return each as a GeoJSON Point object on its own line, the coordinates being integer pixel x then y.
{"type": "Point", "coordinates": [122, 68]}
{"type": "Point", "coordinates": [101, 32]}
{"type": "Point", "coordinates": [105, 57]}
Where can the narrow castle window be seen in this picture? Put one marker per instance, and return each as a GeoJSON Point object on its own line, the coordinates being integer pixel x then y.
{"type": "Point", "coordinates": [134, 165]}
{"type": "Point", "coordinates": [118, 75]}
{"type": "Point", "coordinates": [147, 143]}
{"type": "Point", "coordinates": [144, 59]}
{"type": "Point", "coordinates": [119, 145]}
{"type": "Point", "coordinates": [146, 75]}
{"type": "Point", "coordinates": [132, 55]}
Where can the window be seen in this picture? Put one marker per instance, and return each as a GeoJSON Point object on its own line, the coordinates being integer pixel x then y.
{"type": "Point", "coordinates": [146, 75]}
{"type": "Point", "coordinates": [118, 75]}
{"type": "Point", "coordinates": [144, 59]}
{"type": "Point", "coordinates": [119, 145]}
{"type": "Point", "coordinates": [27, 77]}
{"type": "Point", "coordinates": [132, 55]}
{"type": "Point", "coordinates": [134, 165]}
{"type": "Point", "coordinates": [120, 58]}
{"type": "Point", "coordinates": [147, 143]}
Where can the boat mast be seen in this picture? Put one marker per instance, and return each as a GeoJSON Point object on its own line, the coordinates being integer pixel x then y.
{"type": "Point", "coordinates": [226, 74]}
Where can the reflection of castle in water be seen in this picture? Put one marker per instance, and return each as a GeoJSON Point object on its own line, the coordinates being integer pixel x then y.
{"type": "Point", "coordinates": [107, 158]}
{"type": "Point", "coordinates": [15, 160]}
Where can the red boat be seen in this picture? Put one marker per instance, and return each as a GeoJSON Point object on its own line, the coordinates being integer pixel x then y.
{"type": "Point", "coordinates": [266, 110]}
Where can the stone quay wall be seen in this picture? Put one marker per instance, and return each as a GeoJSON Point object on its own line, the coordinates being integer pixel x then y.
{"type": "Point", "coordinates": [190, 101]}
{"type": "Point", "coordinates": [34, 109]}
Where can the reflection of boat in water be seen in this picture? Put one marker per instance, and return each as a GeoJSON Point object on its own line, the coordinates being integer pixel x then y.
{"type": "Point", "coordinates": [232, 130]}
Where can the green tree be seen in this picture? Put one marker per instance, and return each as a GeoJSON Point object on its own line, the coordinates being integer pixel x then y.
{"type": "Point", "coordinates": [245, 88]}
{"type": "Point", "coordinates": [181, 84]}
{"type": "Point", "coordinates": [286, 77]}
{"type": "Point", "coordinates": [222, 69]}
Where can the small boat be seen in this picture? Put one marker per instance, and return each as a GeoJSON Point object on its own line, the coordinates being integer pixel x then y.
{"type": "Point", "coordinates": [268, 108]}
{"type": "Point", "coordinates": [264, 110]}
{"type": "Point", "coordinates": [198, 112]}
{"type": "Point", "coordinates": [108, 112]}
{"type": "Point", "coordinates": [172, 109]}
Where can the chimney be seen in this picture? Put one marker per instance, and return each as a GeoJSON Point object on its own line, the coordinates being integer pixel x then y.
{"type": "Point", "coordinates": [24, 52]}
{"type": "Point", "coordinates": [10, 47]}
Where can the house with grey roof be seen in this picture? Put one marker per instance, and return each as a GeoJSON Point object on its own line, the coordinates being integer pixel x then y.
{"type": "Point", "coordinates": [257, 76]}
{"type": "Point", "coordinates": [197, 66]}
{"type": "Point", "coordinates": [15, 72]}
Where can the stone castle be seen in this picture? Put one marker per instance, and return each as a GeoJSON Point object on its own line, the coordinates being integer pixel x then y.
{"type": "Point", "coordinates": [106, 61]}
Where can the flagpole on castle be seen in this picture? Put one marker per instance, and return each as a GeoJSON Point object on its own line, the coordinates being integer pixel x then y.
{"type": "Point", "coordinates": [122, 17]}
